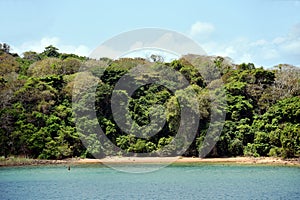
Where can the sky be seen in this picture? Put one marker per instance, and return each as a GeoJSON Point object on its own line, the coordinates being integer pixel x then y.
{"type": "Point", "coordinates": [264, 32]}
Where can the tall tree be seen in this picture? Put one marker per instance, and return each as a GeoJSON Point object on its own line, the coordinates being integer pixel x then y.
{"type": "Point", "coordinates": [51, 51]}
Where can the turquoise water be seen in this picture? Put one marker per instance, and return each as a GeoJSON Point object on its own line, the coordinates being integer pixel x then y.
{"type": "Point", "coordinates": [173, 182]}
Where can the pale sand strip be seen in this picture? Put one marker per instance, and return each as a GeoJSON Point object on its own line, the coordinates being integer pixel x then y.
{"type": "Point", "coordinates": [232, 160]}
{"type": "Point", "coordinates": [157, 160]}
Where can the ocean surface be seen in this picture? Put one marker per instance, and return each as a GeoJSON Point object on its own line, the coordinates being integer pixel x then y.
{"type": "Point", "coordinates": [193, 181]}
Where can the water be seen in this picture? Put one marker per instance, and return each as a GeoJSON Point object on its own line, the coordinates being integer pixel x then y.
{"type": "Point", "coordinates": [173, 182]}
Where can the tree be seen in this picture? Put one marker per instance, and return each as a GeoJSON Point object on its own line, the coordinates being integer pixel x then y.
{"type": "Point", "coordinates": [51, 51]}
{"type": "Point", "coordinates": [46, 67]}
{"type": "Point", "coordinates": [42, 93]}
{"type": "Point", "coordinates": [31, 56]}
{"type": "Point", "coordinates": [287, 81]}
{"type": "Point", "coordinates": [8, 64]}
{"type": "Point", "coordinates": [4, 47]}
{"type": "Point", "coordinates": [277, 130]}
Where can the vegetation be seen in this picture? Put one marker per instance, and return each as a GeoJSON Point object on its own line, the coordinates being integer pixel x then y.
{"type": "Point", "coordinates": [38, 91]}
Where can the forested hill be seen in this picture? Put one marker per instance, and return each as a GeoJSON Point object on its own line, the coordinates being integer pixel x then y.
{"type": "Point", "coordinates": [37, 120]}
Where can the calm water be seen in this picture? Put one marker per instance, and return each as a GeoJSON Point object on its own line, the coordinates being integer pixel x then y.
{"type": "Point", "coordinates": [173, 182]}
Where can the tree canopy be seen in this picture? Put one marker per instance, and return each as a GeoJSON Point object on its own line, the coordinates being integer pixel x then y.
{"type": "Point", "coordinates": [39, 90]}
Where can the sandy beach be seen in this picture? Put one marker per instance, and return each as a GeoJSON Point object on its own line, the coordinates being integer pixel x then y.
{"type": "Point", "coordinates": [157, 160]}
{"type": "Point", "coordinates": [231, 160]}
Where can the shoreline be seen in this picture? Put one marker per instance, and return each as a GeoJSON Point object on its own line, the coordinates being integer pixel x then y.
{"type": "Point", "coordinates": [154, 160]}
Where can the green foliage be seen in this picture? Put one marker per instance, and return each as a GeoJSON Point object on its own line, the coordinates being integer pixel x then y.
{"type": "Point", "coordinates": [31, 56]}
{"type": "Point", "coordinates": [54, 66]}
{"type": "Point", "coordinates": [190, 72]}
{"type": "Point", "coordinates": [37, 119]}
{"type": "Point", "coordinates": [8, 64]}
{"type": "Point", "coordinates": [51, 51]}
{"type": "Point", "coordinates": [236, 147]}
{"type": "Point", "coordinates": [251, 150]}
{"type": "Point", "coordinates": [278, 128]}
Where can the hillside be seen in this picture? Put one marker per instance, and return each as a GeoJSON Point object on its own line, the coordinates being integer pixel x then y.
{"type": "Point", "coordinates": [42, 97]}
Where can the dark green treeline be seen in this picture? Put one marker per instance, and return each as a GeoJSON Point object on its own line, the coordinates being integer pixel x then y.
{"type": "Point", "coordinates": [37, 120]}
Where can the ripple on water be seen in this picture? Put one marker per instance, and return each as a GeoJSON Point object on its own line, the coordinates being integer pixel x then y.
{"type": "Point", "coordinates": [173, 182]}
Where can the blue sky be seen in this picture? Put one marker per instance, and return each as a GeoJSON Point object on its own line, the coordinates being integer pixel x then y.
{"type": "Point", "coordinates": [265, 32]}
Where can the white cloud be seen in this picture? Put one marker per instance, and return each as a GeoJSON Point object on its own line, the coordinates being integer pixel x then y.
{"type": "Point", "coordinates": [278, 40]}
{"type": "Point", "coordinates": [292, 47]}
{"type": "Point", "coordinates": [201, 28]}
{"type": "Point", "coordinates": [177, 43]}
{"type": "Point", "coordinates": [246, 58]}
{"type": "Point", "coordinates": [260, 42]}
{"type": "Point", "coordinates": [136, 45]}
{"type": "Point", "coordinates": [291, 42]}
{"type": "Point", "coordinates": [262, 52]}
{"type": "Point", "coordinates": [39, 46]}
{"type": "Point", "coordinates": [105, 51]}
{"type": "Point", "coordinates": [165, 42]}
{"type": "Point", "coordinates": [295, 31]}
{"type": "Point", "coordinates": [81, 50]}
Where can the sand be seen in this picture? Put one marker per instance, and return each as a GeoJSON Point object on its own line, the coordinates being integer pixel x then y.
{"type": "Point", "coordinates": [158, 160]}
{"type": "Point", "coordinates": [231, 160]}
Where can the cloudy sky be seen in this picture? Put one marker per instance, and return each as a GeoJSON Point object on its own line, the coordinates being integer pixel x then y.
{"type": "Point", "coordinates": [265, 32]}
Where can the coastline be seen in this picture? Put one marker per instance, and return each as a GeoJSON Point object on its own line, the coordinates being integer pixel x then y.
{"type": "Point", "coordinates": [192, 160]}
{"type": "Point", "coordinates": [154, 160]}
